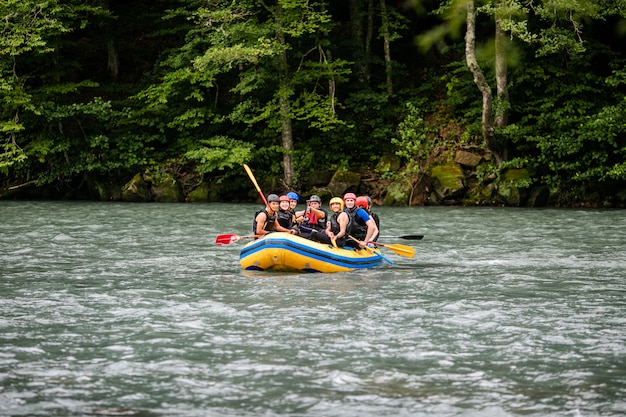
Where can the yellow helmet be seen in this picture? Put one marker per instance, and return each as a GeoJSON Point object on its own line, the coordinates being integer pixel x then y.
{"type": "Point", "coordinates": [336, 200]}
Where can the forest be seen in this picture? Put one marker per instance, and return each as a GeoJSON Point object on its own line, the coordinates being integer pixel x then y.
{"type": "Point", "coordinates": [95, 92]}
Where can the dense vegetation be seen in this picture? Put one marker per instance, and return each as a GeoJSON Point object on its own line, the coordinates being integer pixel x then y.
{"type": "Point", "coordinates": [94, 92]}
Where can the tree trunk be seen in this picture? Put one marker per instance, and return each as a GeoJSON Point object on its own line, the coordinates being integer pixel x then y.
{"type": "Point", "coordinates": [284, 103]}
{"type": "Point", "coordinates": [386, 44]}
{"type": "Point", "coordinates": [359, 53]}
{"type": "Point", "coordinates": [113, 62]}
{"type": "Point", "coordinates": [502, 92]}
{"type": "Point", "coordinates": [488, 130]}
{"type": "Point", "coordinates": [369, 35]}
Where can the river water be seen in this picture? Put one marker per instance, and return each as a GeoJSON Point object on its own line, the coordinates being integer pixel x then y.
{"type": "Point", "coordinates": [130, 309]}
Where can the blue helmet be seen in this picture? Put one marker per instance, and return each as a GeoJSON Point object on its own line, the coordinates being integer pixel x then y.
{"type": "Point", "coordinates": [293, 196]}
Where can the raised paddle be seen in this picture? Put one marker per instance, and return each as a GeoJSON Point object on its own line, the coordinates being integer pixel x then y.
{"type": "Point", "coordinates": [256, 185]}
{"type": "Point", "coordinates": [407, 237]}
{"type": "Point", "coordinates": [402, 250]}
{"type": "Point", "coordinates": [228, 238]}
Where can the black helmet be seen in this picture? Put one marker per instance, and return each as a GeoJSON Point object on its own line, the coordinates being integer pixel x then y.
{"type": "Point", "coordinates": [273, 197]}
{"type": "Point", "coordinates": [314, 199]}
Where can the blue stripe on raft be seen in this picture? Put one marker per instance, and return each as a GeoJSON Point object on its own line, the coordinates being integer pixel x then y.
{"type": "Point", "coordinates": [304, 250]}
{"type": "Point", "coordinates": [312, 252]}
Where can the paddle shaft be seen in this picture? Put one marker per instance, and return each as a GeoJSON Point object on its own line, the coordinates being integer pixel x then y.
{"type": "Point", "coordinates": [401, 250]}
{"type": "Point", "coordinates": [256, 185]}
{"type": "Point", "coordinates": [370, 250]}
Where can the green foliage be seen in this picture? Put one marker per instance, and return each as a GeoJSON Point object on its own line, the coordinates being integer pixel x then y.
{"type": "Point", "coordinates": [194, 70]}
{"type": "Point", "coordinates": [414, 136]}
{"type": "Point", "coordinates": [218, 153]}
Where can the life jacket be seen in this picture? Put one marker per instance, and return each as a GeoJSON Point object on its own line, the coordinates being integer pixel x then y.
{"type": "Point", "coordinates": [313, 222]}
{"type": "Point", "coordinates": [269, 223]}
{"type": "Point", "coordinates": [358, 227]}
{"type": "Point", "coordinates": [285, 218]}
{"type": "Point", "coordinates": [375, 217]}
{"type": "Point", "coordinates": [377, 221]}
{"type": "Point", "coordinates": [335, 227]}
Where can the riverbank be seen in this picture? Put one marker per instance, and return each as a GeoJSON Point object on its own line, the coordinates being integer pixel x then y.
{"type": "Point", "coordinates": [467, 178]}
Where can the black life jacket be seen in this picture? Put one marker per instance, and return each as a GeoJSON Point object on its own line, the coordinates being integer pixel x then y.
{"type": "Point", "coordinates": [269, 223]}
{"type": "Point", "coordinates": [285, 218]}
{"type": "Point", "coordinates": [334, 224]}
{"type": "Point", "coordinates": [358, 227]}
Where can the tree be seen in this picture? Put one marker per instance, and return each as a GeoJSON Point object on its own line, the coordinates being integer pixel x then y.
{"type": "Point", "coordinates": [556, 27]}
{"type": "Point", "coordinates": [31, 33]}
{"type": "Point", "coordinates": [268, 60]}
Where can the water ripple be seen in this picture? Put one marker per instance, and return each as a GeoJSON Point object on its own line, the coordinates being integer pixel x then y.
{"type": "Point", "coordinates": [123, 309]}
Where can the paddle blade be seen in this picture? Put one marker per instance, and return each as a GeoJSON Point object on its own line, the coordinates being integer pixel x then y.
{"type": "Point", "coordinates": [407, 237]}
{"type": "Point", "coordinates": [226, 239]}
{"type": "Point", "coordinates": [412, 237]}
{"type": "Point", "coordinates": [402, 250]}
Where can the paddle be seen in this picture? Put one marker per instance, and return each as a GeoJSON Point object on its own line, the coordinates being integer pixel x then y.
{"type": "Point", "coordinates": [228, 238]}
{"type": "Point", "coordinates": [407, 237]}
{"type": "Point", "coordinates": [256, 185]}
{"type": "Point", "coordinates": [402, 250]}
{"type": "Point", "coordinates": [370, 250]}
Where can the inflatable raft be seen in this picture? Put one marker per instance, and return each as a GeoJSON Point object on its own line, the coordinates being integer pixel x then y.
{"type": "Point", "coordinates": [289, 253]}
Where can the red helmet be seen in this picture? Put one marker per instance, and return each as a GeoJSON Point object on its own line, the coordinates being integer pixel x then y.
{"type": "Point", "coordinates": [349, 195]}
{"type": "Point", "coordinates": [361, 202]}
{"type": "Point", "coordinates": [283, 198]}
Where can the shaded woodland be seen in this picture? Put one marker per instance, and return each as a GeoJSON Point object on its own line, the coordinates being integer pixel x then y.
{"type": "Point", "coordinates": [186, 91]}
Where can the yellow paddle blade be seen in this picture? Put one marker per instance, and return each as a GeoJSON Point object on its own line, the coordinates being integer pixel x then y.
{"type": "Point", "coordinates": [402, 250]}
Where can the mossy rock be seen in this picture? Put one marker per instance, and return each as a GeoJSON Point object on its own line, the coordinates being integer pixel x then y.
{"type": "Point", "coordinates": [168, 190]}
{"type": "Point", "coordinates": [136, 190]}
{"type": "Point", "coordinates": [200, 194]}
{"type": "Point", "coordinates": [343, 181]}
{"type": "Point", "coordinates": [513, 186]}
{"type": "Point", "coordinates": [107, 191]}
{"type": "Point", "coordinates": [397, 194]}
{"type": "Point", "coordinates": [538, 196]}
{"type": "Point", "coordinates": [449, 181]}
{"type": "Point", "coordinates": [515, 174]}
{"type": "Point", "coordinates": [388, 163]}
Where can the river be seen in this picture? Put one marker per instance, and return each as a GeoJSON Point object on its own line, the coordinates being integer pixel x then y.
{"type": "Point", "coordinates": [110, 309]}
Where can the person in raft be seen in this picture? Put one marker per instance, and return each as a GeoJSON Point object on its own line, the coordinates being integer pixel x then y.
{"type": "Point", "coordinates": [313, 218]}
{"type": "Point", "coordinates": [265, 219]}
{"type": "Point", "coordinates": [372, 215]}
{"type": "Point", "coordinates": [294, 199]}
{"type": "Point", "coordinates": [365, 203]}
{"type": "Point", "coordinates": [285, 216]}
{"type": "Point", "coordinates": [336, 227]}
{"type": "Point", "coordinates": [363, 227]}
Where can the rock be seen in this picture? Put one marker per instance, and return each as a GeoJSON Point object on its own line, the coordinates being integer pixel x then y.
{"type": "Point", "coordinates": [136, 190]}
{"type": "Point", "coordinates": [449, 182]}
{"type": "Point", "coordinates": [538, 197]}
{"type": "Point", "coordinates": [107, 191]}
{"type": "Point", "coordinates": [168, 190]}
{"type": "Point", "coordinates": [513, 186]}
{"type": "Point", "coordinates": [515, 174]}
{"type": "Point", "coordinates": [200, 194]}
{"type": "Point", "coordinates": [317, 178]}
{"type": "Point", "coordinates": [468, 159]}
{"type": "Point", "coordinates": [398, 194]}
{"type": "Point", "coordinates": [343, 181]}
{"type": "Point", "coordinates": [388, 163]}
